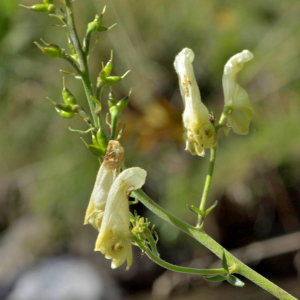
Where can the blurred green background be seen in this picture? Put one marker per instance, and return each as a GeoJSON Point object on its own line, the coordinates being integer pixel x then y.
{"type": "Point", "coordinates": [47, 174]}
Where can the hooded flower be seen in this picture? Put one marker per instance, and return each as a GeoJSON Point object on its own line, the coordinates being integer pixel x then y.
{"type": "Point", "coordinates": [236, 98]}
{"type": "Point", "coordinates": [114, 239]}
{"type": "Point", "coordinates": [108, 172]}
{"type": "Point", "coordinates": [199, 132]}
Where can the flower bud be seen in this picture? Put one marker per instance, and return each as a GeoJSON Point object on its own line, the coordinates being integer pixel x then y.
{"type": "Point", "coordinates": [108, 172]}
{"type": "Point", "coordinates": [235, 97]}
{"type": "Point", "coordinates": [67, 115]}
{"type": "Point", "coordinates": [48, 1]}
{"type": "Point", "coordinates": [51, 50]}
{"type": "Point", "coordinates": [108, 67]}
{"type": "Point", "coordinates": [114, 239]}
{"type": "Point", "coordinates": [123, 103]}
{"type": "Point", "coordinates": [68, 96]}
{"type": "Point", "coordinates": [41, 7]}
{"type": "Point", "coordinates": [199, 132]}
{"type": "Point", "coordinates": [102, 139]}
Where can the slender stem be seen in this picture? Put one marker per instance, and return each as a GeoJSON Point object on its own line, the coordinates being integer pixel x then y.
{"type": "Point", "coordinates": [114, 124]}
{"type": "Point", "coordinates": [172, 267]}
{"type": "Point", "coordinates": [212, 245]}
{"type": "Point", "coordinates": [87, 42]}
{"type": "Point", "coordinates": [81, 57]}
{"type": "Point", "coordinates": [73, 63]}
{"type": "Point", "coordinates": [213, 152]}
{"type": "Point", "coordinates": [153, 245]}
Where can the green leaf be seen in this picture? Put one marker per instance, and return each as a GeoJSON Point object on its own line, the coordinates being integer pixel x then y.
{"type": "Point", "coordinates": [211, 208]}
{"type": "Point", "coordinates": [235, 281]}
{"type": "Point", "coordinates": [215, 278]}
{"type": "Point", "coordinates": [224, 262]}
{"type": "Point", "coordinates": [196, 210]}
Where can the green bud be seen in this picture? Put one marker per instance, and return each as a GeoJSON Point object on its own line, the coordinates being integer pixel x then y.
{"type": "Point", "coordinates": [51, 50]}
{"type": "Point", "coordinates": [111, 99]}
{"type": "Point", "coordinates": [68, 96]}
{"type": "Point", "coordinates": [94, 140]}
{"type": "Point", "coordinates": [102, 139]}
{"type": "Point", "coordinates": [111, 80]}
{"type": "Point", "coordinates": [67, 115]}
{"type": "Point", "coordinates": [108, 67]}
{"type": "Point", "coordinates": [64, 107]}
{"type": "Point", "coordinates": [114, 111]}
{"type": "Point", "coordinates": [96, 150]}
{"type": "Point", "coordinates": [92, 27]}
{"type": "Point", "coordinates": [102, 75]}
{"type": "Point", "coordinates": [123, 103]}
{"type": "Point", "coordinates": [37, 7]}
{"type": "Point", "coordinates": [47, 7]}
{"type": "Point", "coordinates": [51, 8]}
{"type": "Point", "coordinates": [48, 1]}
{"type": "Point", "coordinates": [101, 28]}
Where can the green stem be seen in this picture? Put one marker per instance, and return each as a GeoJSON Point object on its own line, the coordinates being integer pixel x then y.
{"type": "Point", "coordinates": [114, 125]}
{"type": "Point", "coordinates": [82, 58]}
{"type": "Point", "coordinates": [153, 245]}
{"type": "Point", "coordinates": [213, 152]}
{"type": "Point", "coordinates": [212, 245]}
{"type": "Point", "coordinates": [175, 268]}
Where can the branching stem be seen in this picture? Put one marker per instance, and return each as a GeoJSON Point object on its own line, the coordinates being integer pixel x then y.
{"type": "Point", "coordinates": [175, 268]}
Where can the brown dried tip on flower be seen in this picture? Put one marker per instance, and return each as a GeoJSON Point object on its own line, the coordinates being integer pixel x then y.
{"type": "Point", "coordinates": [108, 172]}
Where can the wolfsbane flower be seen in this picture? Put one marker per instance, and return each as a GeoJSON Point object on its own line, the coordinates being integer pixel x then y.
{"type": "Point", "coordinates": [199, 132]}
{"type": "Point", "coordinates": [114, 239]}
{"type": "Point", "coordinates": [235, 97]}
{"type": "Point", "coordinates": [108, 172]}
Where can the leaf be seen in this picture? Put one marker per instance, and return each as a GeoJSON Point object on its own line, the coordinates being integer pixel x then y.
{"type": "Point", "coordinates": [224, 262]}
{"type": "Point", "coordinates": [235, 281]}
{"type": "Point", "coordinates": [215, 278]}
{"type": "Point", "coordinates": [211, 208]}
{"type": "Point", "coordinates": [196, 210]}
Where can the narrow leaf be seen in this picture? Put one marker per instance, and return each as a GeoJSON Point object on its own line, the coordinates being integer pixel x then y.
{"type": "Point", "coordinates": [235, 281]}
{"type": "Point", "coordinates": [211, 208]}
{"type": "Point", "coordinates": [224, 262]}
{"type": "Point", "coordinates": [215, 278]}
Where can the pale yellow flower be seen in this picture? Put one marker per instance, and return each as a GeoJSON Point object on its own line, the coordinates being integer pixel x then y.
{"type": "Point", "coordinates": [199, 132]}
{"type": "Point", "coordinates": [235, 97]}
{"type": "Point", "coordinates": [114, 239]}
{"type": "Point", "coordinates": [108, 172]}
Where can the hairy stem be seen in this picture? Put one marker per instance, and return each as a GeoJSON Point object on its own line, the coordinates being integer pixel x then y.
{"type": "Point", "coordinates": [81, 57]}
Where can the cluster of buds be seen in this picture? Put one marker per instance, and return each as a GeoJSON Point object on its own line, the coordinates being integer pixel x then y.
{"type": "Point", "coordinates": [115, 108]}
{"type": "Point", "coordinates": [141, 226]}
{"type": "Point", "coordinates": [199, 130]}
{"type": "Point", "coordinates": [69, 108]}
{"type": "Point", "coordinates": [108, 209]}
{"type": "Point", "coordinates": [100, 143]}
{"type": "Point", "coordinates": [96, 26]}
{"type": "Point", "coordinates": [105, 78]}
{"type": "Point", "coordinates": [51, 50]}
{"type": "Point", "coordinates": [47, 7]}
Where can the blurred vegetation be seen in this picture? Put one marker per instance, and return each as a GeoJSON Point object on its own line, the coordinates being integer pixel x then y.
{"type": "Point", "coordinates": [47, 171]}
